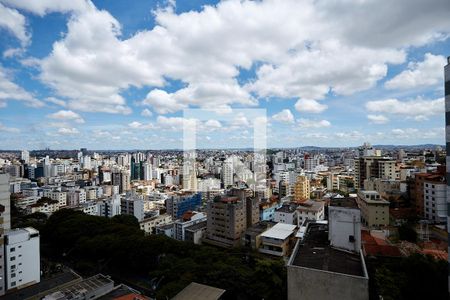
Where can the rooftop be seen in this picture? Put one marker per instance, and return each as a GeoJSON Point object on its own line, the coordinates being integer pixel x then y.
{"type": "Point", "coordinates": [315, 252]}
{"type": "Point", "coordinates": [279, 231]}
{"type": "Point", "coordinates": [344, 202]}
{"type": "Point", "coordinates": [311, 205]}
{"type": "Point", "coordinates": [199, 291]}
{"type": "Point", "coordinates": [287, 208]}
{"type": "Point", "coordinates": [197, 226]}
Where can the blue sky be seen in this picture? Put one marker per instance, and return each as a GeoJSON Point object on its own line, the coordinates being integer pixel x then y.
{"type": "Point", "coordinates": [119, 74]}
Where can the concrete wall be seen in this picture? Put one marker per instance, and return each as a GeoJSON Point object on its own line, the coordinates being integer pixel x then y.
{"type": "Point", "coordinates": [344, 222]}
{"type": "Point", "coordinates": [311, 284]}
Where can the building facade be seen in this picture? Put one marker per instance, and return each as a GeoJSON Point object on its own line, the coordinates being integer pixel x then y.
{"type": "Point", "coordinates": [447, 140]}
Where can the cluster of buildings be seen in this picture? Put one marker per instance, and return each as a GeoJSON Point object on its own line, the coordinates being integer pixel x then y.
{"type": "Point", "coordinates": [306, 205]}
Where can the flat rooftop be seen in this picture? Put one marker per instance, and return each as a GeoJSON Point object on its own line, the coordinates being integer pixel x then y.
{"type": "Point", "coordinates": [199, 291]}
{"type": "Point", "coordinates": [197, 226]}
{"type": "Point", "coordinates": [315, 252]}
{"type": "Point", "coordinates": [344, 202]}
{"type": "Point", "coordinates": [279, 231]}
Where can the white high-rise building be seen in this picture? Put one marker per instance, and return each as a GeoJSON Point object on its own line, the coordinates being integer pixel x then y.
{"type": "Point", "coordinates": [25, 156]}
{"type": "Point", "coordinates": [227, 173]}
{"type": "Point", "coordinates": [5, 201]}
{"type": "Point", "coordinates": [148, 172]}
{"type": "Point", "coordinates": [22, 258]}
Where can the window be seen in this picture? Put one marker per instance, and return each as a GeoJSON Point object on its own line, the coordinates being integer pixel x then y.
{"type": "Point", "coordinates": [13, 275]}
{"type": "Point", "coordinates": [12, 258]}
{"type": "Point", "coordinates": [13, 283]}
{"type": "Point", "coordinates": [12, 249]}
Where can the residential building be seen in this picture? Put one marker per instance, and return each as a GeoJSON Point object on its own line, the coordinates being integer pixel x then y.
{"type": "Point", "coordinates": [318, 270]}
{"type": "Point", "coordinates": [286, 214]}
{"type": "Point", "coordinates": [5, 201]}
{"type": "Point", "coordinates": [109, 207]}
{"type": "Point", "coordinates": [133, 205]}
{"type": "Point", "coordinates": [181, 202]}
{"type": "Point", "coordinates": [374, 209]}
{"type": "Point", "coordinates": [251, 238]}
{"type": "Point", "coordinates": [435, 199]}
{"type": "Point", "coordinates": [302, 189]}
{"type": "Point", "coordinates": [267, 209]}
{"type": "Point", "coordinates": [189, 218]}
{"type": "Point", "coordinates": [373, 167]}
{"type": "Point", "coordinates": [91, 288]}
{"type": "Point", "coordinates": [149, 224]}
{"type": "Point", "coordinates": [195, 233]}
{"type": "Point", "coordinates": [418, 190]}
{"type": "Point", "coordinates": [227, 220]}
{"type": "Point", "coordinates": [310, 210]}
{"type": "Point", "coordinates": [2, 251]}
{"type": "Point", "coordinates": [22, 267]}
{"type": "Point", "coordinates": [277, 240]}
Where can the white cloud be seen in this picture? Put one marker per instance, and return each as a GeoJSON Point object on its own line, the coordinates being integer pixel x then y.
{"type": "Point", "coordinates": [426, 73]}
{"type": "Point", "coordinates": [56, 101]}
{"type": "Point", "coordinates": [68, 131]}
{"type": "Point", "coordinates": [305, 49]}
{"type": "Point", "coordinates": [378, 119]}
{"type": "Point", "coordinates": [284, 116]}
{"type": "Point", "coordinates": [66, 115]}
{"type": "Point", "coordinates": [212, 124]}
{"type": "Point", "coordinates": [11, 91]}
{"type": "Point", "coordinates": [8, 129]}
{"type": "Point", "coordinates": [307, 123]}
{"type": "Point", "coordinates": [146, 113]}
{"type": "Point", "coordinates": [14, 22]}
{"type": "Point", "coordinates": [310, 105]}
{"type": "Point", "coordinates": [139, 125]}
{"type": "Point", "coordinates": [43, 7]}
{"type": "Point", "coordinates": [418, 109]}
{"type": "Point", "coordinates": [162, 102]}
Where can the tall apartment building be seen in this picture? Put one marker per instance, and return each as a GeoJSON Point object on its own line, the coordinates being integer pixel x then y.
{"type": "Point", "coordinates": [227, 173]}
{"type": "Point", "coordinates": [132, 205]}
{"type": "Point", "coordinates": [4, 200]}
{"type": "Point", "coordinates": [182, 202]}
{"type": "Point", "coordinates": [447, 131]}
{"type": "Point", "coordinates": [435, 200]}
{"type": "Point", "coordinates": [373, 167]}
{"type": "Point", "coordinates": [2, 254]}
{"type": "Point", "coordinates": [228, 219]}
{"type": "Point", "coordinates": [418, 190]}
{"type": "Point", "coordinates": [302, 189]}
{"type": "Point", "coordinates": [374, 209]}
{"type": "Point", "coordinates": [22, 259]}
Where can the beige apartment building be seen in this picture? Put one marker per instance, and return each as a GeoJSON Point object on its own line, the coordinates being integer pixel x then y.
{"type": "Point", "coordinates": [302, 189]}
{"type": "Point", "coordinates": [228, 218]}
{"type": "Point", "coordinates": [374, 209]}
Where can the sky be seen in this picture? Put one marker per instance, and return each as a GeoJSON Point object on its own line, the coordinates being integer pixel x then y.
{"type": "Point", "coordinates": [127, 74]}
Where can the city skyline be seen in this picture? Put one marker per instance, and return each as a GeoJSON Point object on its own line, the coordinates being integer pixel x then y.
{"type": "Point", "coordinates": [105, 75]}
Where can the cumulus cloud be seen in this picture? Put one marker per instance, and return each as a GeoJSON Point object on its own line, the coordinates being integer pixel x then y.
{"type": "Point", "coordinates": [419, 109]}
{"type": "Point", "coordinates": [43, 7]}
{"type": "Point", "coordinates": [378, 119]}
{"type": "Point", "coordinates": [11, 91]}
{"type": "Point", "coordinates": [310, 105]}
{"type": "Point", "coordinates": [66, 115]}
{"type": "Point", "coordinates": [146, 113]}
{"type": "Point", "coordinates": [14, 22]}
{"type": "Point", "coordinates": [420, 74]}
{"type": "Point", "coordinates": [307, 123]}
{"type": "Point", "coordinates": [68, 131]}
{"type": "Point", "coordinates": [284, 116]}
{"type": "Point", "coordinates": [303, 49]}
{"type": "Point", "coordinates": [4, 128]}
